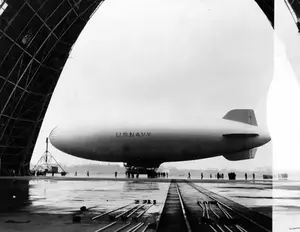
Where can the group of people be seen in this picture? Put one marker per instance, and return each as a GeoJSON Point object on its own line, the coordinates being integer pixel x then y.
{"type": "Point", "coordinates": [218, 176]}
{"type": "Point", "coordinates": [150, 174]}
{"type": "Point", "coordinates": [130, 174]}
{"type": "Point", "coordinates": [221, 176]}
{"type": "Point", "coordinates": [253, 176]}
{"type": "Point", "coordinates": [40, 173]}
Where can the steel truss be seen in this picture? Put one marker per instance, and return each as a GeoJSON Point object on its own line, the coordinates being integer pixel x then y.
{"type": "Point", "coordinates": [36, 38]}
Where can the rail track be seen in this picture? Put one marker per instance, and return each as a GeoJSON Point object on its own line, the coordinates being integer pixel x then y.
{"type": "Point", "coordinates": [127, 218]}
{"type": "Point", "coordinates": [187, 207]}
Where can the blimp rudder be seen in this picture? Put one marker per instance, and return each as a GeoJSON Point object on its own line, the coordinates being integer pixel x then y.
{"type": "Point", "coordinates": [242, 115]}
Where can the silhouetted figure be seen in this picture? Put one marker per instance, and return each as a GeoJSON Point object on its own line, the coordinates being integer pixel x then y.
{"type": "Point", "coordinates": [76, 173]}
{"type": "Point", "coordinates": [189, 175]}
{"type": "Point", "coordinates": [52, 173]}
{"type": "Point", "coordinates": [210, 176]}
{"type": "Point", "coordinates": [116, 174]}
{"type": "Point", "coordinates": [245, 176]}
{"type": "Point", "coordinates": [201, 175]}
{"type": "Point", "coordinates": [231, 175]}
{"type": "Point", "coordinates": [218, 176]}
{"type": "Point", "coordinates": [253, 176]}
{"type": "Point", "coordinates": [88, 173]}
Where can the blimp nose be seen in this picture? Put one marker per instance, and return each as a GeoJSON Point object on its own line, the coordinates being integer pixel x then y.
{"type": "Point", "coordinates": [60, 139]}
{"type": "Point", "coordinates": [55, 137]}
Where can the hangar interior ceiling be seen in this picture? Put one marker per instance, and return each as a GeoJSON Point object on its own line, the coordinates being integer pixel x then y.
{"type": "Point", "coordinates": [294, 8]}
{"type": "Point", "coordinates": [36, 37]}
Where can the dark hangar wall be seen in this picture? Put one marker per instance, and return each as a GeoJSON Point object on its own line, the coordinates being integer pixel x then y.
{"type": "Point", "coordinates": [36, 37]}
{"type": "Point", "coordinates": [267, 6]}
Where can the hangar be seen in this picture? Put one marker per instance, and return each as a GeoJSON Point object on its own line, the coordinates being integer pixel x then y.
{"type": "Point", "coordinates": [36, 38]}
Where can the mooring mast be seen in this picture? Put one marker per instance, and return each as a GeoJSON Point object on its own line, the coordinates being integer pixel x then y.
{"type": "Point", "coordinates": [47, 162]}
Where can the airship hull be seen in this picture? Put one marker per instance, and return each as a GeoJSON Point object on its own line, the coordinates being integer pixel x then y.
{"type": "Point", "coordinates": [153, 145]}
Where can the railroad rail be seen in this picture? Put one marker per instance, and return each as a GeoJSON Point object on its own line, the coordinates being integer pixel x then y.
{"type": "Point", "coordinates": [130, 215]}
{"type": "Point", "coordinates": [189, 207]}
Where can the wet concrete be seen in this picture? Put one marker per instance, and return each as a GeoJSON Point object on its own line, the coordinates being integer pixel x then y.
{"type": "Point", "coordinates": [277, 199]}
{"type": "Point", "coordinates": [255, 195]}
{"type": "Point", "coordinates": [50, 202]}
{"type": "Point", "coordinates": [286, 206]}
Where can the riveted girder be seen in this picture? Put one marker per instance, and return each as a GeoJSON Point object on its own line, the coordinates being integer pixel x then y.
{"type": "Point", "coordinates": [36, 38]}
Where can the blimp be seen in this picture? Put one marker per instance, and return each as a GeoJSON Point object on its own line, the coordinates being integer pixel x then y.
{"type": "Point", "coordinates": [146, 146]}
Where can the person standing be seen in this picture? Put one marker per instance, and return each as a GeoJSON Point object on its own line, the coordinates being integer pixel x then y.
{"type": "Point", "coordinates": [245, 176]}
{"type": "Point", "coordinates": [88, 173]}
{"type": "Point", "coordinates": [116, 174]}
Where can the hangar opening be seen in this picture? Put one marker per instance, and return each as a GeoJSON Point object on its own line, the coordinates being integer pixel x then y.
{"type": "Point", "coordinates": [36, 38]}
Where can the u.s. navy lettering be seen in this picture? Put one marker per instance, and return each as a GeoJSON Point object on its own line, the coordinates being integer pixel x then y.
{"type": "Point", "coordinates": [133, 134]}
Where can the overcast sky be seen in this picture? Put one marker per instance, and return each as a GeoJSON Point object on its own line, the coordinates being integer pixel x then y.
{"type": "Point", "coordinates": [155, 60]}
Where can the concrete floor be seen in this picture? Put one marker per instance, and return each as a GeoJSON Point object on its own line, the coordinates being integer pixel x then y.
{"type": "Point", "coordinates": [50, 202]}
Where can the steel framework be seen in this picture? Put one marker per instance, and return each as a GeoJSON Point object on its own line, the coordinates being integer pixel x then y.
{"type": "Point", "coordinates": [47, 161]}
{"type": "Point", "coordinates": [36, 37]}
{"type": "Point", "coordinates": [294, 8]}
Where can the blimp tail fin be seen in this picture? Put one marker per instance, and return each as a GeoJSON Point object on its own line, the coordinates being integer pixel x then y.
{"type": "Point", "coordinates": [242, 115]}
{"type": "Point", "coordinates": [243, 155]}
